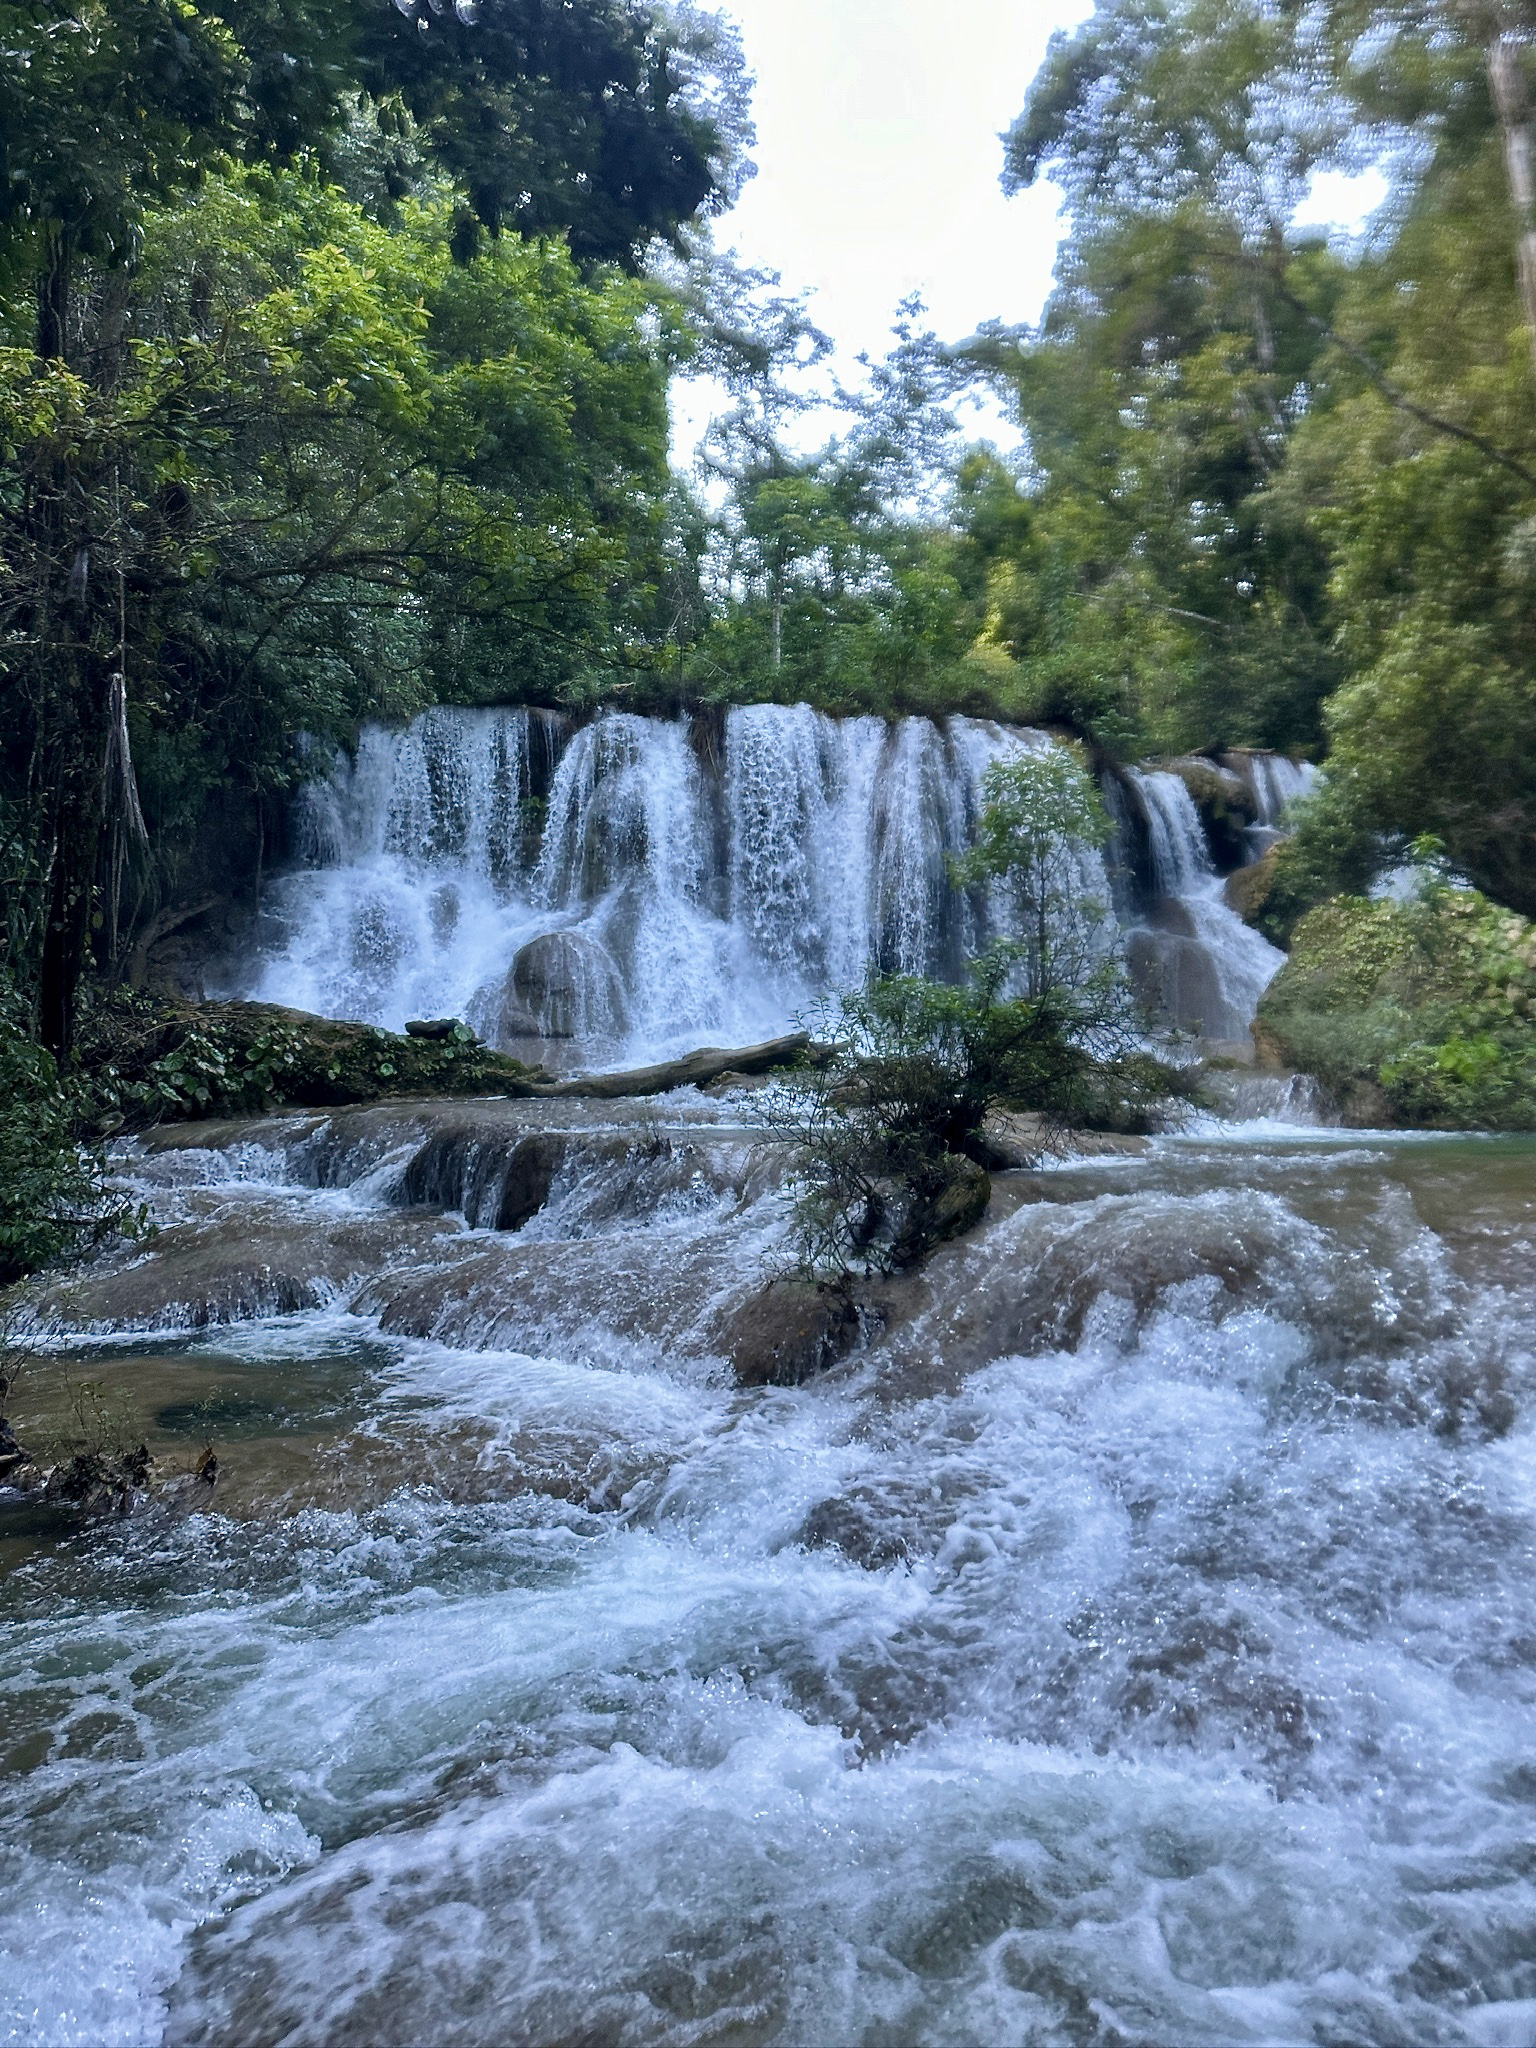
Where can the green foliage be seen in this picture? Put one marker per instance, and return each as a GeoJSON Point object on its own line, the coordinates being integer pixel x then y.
{"type": "Point", "coordinates": [55, 1198]}
{"type": "Point", "coordinates": [277, 455]}
{"type": "Point", "coordinates": [1039, 811]}
{"type": "Point", "coordinates": [887, 1129]}
{"type": "Point", "coordinates": [1416, 1013]}
{"type": "Point", "coordinates": [609, 123]}
{"type": "Point", "coordinates": [1332, 851]}
{"type": "Point", "coordinates": [154, 1060]}
{"type": "Point", "coordinates": [888, 1126]}
{"type": "Point", "coordinates": [335, 473]}
{"type": "Point", "coordinates": [1264, 469]}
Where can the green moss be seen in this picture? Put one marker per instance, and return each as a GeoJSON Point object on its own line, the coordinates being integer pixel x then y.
{"type": "Point", "coordinates": [154, 1060]}
{"type": "Point", "coordinates": [1424, 1012]}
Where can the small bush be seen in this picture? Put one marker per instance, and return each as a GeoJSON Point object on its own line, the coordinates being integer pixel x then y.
{"type": "Point", "coordinates": [1423, 1012]}
{"type": "Point", "coordinates": [55, 1199]}
{"type": "Point", "coordinates": [889, 1127]}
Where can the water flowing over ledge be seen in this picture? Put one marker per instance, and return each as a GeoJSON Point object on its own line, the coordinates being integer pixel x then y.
{"type": "Point", "coordinates": [621, 892]}
{"type": "Point", "coordinates": [1138, 1622]}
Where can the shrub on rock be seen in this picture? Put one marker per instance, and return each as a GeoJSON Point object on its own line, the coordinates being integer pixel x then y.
{"type": "Point", "coordinates": [1418, 1013]}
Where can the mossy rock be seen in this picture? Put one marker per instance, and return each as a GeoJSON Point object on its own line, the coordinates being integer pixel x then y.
{"type": "Point", "coordinates": [1248, 888]}
{"type": "Point", "coordinates": [1225, 803]}
{"type": "Point", "coordinates": [1419, 1014]}
{"type": "Point", "coordinates": [156, 1059]}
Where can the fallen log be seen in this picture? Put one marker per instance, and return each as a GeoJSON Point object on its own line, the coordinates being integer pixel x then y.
{"type": "Point", "coordinates": [694, 1070]}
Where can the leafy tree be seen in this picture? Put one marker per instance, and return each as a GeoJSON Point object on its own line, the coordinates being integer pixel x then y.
{"type": "Point", "coordinates": [889, 1126]}
{"type": "Point", "coordinates": [255, 510]}
{"type": "Point", "coordinates": [1310, 474]}
{"type": "Point", "coordinates": [609, 122]}
{"type": "Point", "coordinates": [1417, 1010]}
{"type": "Point", "coordinates": [836, 574]}
{"type": "Point", "coordinates": [1040, 817]}
{"type": "Point", "coordinates": [55, 1197]}
{"type": "Point", "coordinates": [341, 473]}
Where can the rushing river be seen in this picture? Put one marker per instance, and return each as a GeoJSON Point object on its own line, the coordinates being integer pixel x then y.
{"type": "Point", "coordinates": [1133, 1643]}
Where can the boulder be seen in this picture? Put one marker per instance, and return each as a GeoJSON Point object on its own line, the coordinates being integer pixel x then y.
{"type": "Point", "coordinates": [1015, 1138]}
{"type": "Point", "coordinates": [563, 984]}
{"type": "Point", "coordinates": [158, 1059]}
{"type": "Point", "coordinates": [788, 1331]}
{"type": "Point", "coordinates": [1225, 803]}
{"type": "Point", "coordinates": [1247, 889]}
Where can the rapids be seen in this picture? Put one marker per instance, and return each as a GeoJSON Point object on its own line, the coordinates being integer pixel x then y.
{"type": "Point", "coordinates": [1133, 1641]}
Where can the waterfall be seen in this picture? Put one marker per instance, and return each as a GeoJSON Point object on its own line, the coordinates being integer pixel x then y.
{"type": "Point", "coordinates": [1193, 957]}
{"type": "Point", "coordinates": [676, 891]}
{"type": "Point", "coordinates": [1277, 782]}
{"type": "Point", "coordinates": [642, 885]}
{"type": "Point", "coordinates": [1274, 783]}
{"type": "Point", "coordinates": [404, 896]}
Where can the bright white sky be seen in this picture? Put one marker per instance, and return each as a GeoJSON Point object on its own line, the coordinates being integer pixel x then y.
{"type": "Point", "coordinates": [878, 157]}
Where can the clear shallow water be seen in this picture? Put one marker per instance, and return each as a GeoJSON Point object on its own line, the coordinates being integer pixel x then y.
{"type": "Point", "coordinates": [1137, 1644]}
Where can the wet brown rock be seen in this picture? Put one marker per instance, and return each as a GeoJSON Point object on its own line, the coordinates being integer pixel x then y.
{"type": "Point", "coordinates": [789, 1331]}
{"type": "Point", "coordinates": [561, 985]}
{"type": "Point", "coordinates": [957, 1207]}
{"type": "Point", "coordinates": [201, 1276]}
{"type": "Point", "coordinates": [1247, 888]}
{"type": "Point", "coordinates": [1224, 801]}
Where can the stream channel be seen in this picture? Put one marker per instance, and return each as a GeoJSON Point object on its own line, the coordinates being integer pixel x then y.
{"type": "Point", "coordinates": [1132, 1642]}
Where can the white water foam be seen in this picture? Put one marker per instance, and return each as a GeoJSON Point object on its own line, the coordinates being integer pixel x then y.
{"type": "Point", "coordinates": [668, 899]}
{"type": "Point", "coordinates": [1209, 967]}
{"type": "Point", "coordinates": [1163, 1675]}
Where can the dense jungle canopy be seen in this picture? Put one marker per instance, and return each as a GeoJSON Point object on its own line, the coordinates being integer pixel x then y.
{"type": "Point", "coordinates": [336, 339]}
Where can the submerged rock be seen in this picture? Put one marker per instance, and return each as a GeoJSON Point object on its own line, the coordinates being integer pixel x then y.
{"type": "Point", "coordinates": [100, 1481]}
{"type": "Point", "coordinates": [789, 1331]}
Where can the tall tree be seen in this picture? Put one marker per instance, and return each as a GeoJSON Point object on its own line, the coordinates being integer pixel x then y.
{"type": "Point", "coordinates": [1392, 384]}
{"type": "Point", "coordinates": [597, 121]}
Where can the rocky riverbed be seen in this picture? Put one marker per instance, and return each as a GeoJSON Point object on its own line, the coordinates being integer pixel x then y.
{"type": "Point", "coordinates": [1122, 1636]}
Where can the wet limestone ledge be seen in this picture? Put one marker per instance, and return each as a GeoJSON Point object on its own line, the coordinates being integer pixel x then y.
{"type": "Point", "coordinates": [156, 1059]}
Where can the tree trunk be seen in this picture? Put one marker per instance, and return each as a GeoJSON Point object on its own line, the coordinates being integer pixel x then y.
{"type": "Point", "coordinates": [53, 293]}
{"type": "Point", "coordinates": [72, 693]}
{"type": "Point", "coordinates": [79, 711]}
{"type": "Point", "coordinates": [1510, 91]}
{"type": "Point", "coordinates": [694, 1070]}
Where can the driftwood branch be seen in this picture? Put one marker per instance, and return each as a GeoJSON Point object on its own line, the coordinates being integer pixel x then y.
{"type": "Point", "coordinates": [694, 1070]}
